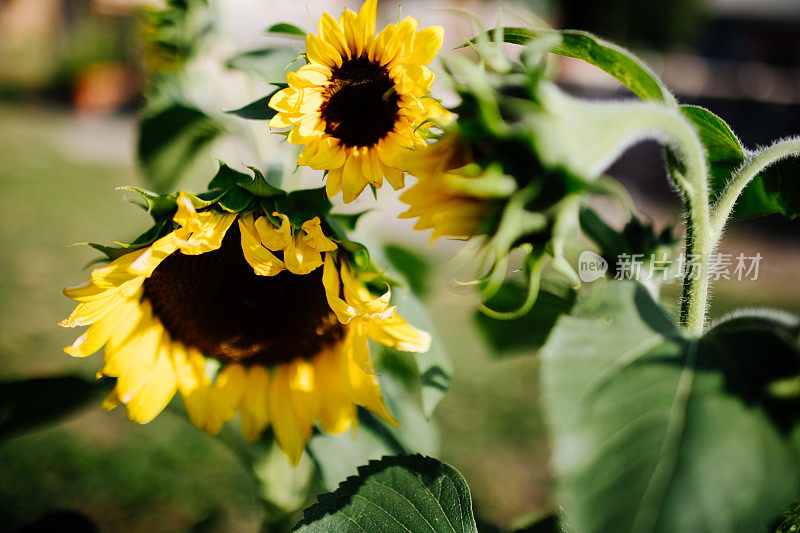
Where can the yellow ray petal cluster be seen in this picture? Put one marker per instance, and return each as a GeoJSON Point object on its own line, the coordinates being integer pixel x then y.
{"type": "Point", "coordinates": [150, 365]}
{"type": "Point", "coordinates": [302, 253]}
{"type": "Point", "coordinates": [362, 99]}
{"type": "Point", "coordinates": [452, 196]}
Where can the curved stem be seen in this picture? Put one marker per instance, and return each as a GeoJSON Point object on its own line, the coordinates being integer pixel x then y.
{"type": "Point", "coordinates": [699, 244]}
{"type": "Point", "coordinates": [755, 163]}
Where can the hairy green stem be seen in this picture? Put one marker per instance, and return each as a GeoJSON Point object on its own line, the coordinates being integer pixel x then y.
{"type": "Point", "coordinates": [699, 244]}
{"type": "Point", "coordinates": [755, 163]}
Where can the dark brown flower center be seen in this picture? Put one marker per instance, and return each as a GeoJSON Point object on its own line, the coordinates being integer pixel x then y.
{"type": "Point", "coordinates": [217, 304]}
{"type": "Point", "coordinates": [360, 103]}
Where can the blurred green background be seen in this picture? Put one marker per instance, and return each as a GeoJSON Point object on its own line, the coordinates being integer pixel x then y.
{"type": "Point", "coordinates": [71, 78]}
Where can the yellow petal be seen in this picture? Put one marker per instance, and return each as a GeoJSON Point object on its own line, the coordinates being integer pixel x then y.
{"type": "Point", "coordinates": [209, 233]}
{"type": "Point", "coordinates": [193, 382]}
{"type": "Point", "coordinates": [330, 280]}
{"type": "Point", "coordinates": [398, 334]}
{"type": "Point", "coordinates": [112, 400]}
{"type": "Point", "coordinates": [255, 403]}
{"type": "Point", "coordinates": [315, 237]}
{"type": "Point", "coordinates": [318, 51]}
{"type": "Point", "coordinates": [119, 322]}
{"type": "Point", "coordinates": [384, 47]}
{"type": "Point", "coordinates": [224, 398]}
{"type": "Point", "coordinates": [154, 254]}
{"type": "Point", "coordinates": [367, 16]}
{"type": "Point", "coordinates": [329, 155]}
{"type": "Point", "coordinates": [353, 179]}
{"type": "Point", "coordinates": [116, 272]}
{"type": "Point", "coordinates": [284, 120]}
{"type": "Point", "coordinates": [264, 263]}
{"type": "Point", "coordinates": [300, 258]}
{"type": "Point", "coordinates": [330, 31]}
{"type": "Point", "coordinates": [86, 291]}
{"type": "Point", "coordinates": [364, 386]}
{"type": "Point", "coordinates": [311, 75]}
{"type": "Point", "coordinates": [394, 176]}
{"type": "Point", "coordinates": [133, 362]}
{"type": "Point", "coordinates": [372, 168]}
{"type": "Point", "coordinates": [353, 33]}
{"type": "Point", "coordinates": [291, 431]}
{"type": "Point", "coordinates": [159, 388]}
{"type": "Point", "coordinates": [271, 237]}
{"type": "Point", "coordinates": [426, 45]}
{"type": "Point", "coordinates": [333, 185]}
{"type": "Point", "coordinates": [90, 312]}
{"type": "Point", "coordinates": [336, 408]}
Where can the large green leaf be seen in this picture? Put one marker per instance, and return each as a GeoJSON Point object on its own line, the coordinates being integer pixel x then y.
{"type": "Point", "coordinates": [781, 183]}
{"type": "Point", "coordinates": [656, 431]}
{"type": "Point", "coordinates": [415, 268]}
{"type": "Point", "coordinates": [258, 110]}
{"type": "Point", "coordinates": [407, 493]}
{"type": "Point", "coordinates": [618, 62]}
{"type": "Point", "coordinates": [171, 141]}
{"type": "Point", "coordinates": [29, 404]}
{"type": "Point", "coordinates": [776, 190]}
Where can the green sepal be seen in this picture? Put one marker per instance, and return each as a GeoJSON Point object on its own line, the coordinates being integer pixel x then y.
{"type": "Point", "coordinates": [303, 205]}
{"type": "Point", "coordinates": [158, 204]}
{"type": "Point", "coordinates": [259, 186]}
{"type": "Point", "coordinates": [156, 231]}
{"type": "Point", "coordinates": [235, 200]}
{"type": "Point", "coordinates": [226, 177]}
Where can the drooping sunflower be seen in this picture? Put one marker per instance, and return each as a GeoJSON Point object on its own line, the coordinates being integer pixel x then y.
{"type": "Point", "coordinates": [453, 195]}
{"type": "Point", "coordinates": [361, 100]}
{"type": "Point", "coordinates": [242, 313]}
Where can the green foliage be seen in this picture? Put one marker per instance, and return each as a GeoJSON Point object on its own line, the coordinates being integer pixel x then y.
{"type": "Point", "coordinates": [258, 110]}
{"type": "Point", "coordinates": [395, 494]}
{"type": "Point", "coordinates": [434, 367]}
{"type": "Point", "coordinates": [608, 57]}
{"type": "Point", "coordinates": [174, 34]}
{"type": "Point", "coordinates": [647, 422]}
{"type": "Point", "coordinates": [775, 190]}
{"type": "Point", "coordinates": [636, 237]}
{"type": "Point", "coordinates": [415, 268]}
{"type": "Point", "coordinates": [529, 332]}
{"type": "Point", "coordinates": [286, 29]}
{"type": "Point", "coordinates": [34, 403]}
{"type": "Point", "coordinates": [170, 141]}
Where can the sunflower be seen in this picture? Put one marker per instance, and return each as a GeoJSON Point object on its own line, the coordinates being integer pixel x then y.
{"type": "Point", "coordinates": [240, 313]}
{"type": "Point", "coordinates": [361, 100]}
{"type": "Point", "coordinates": [453, 195]}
